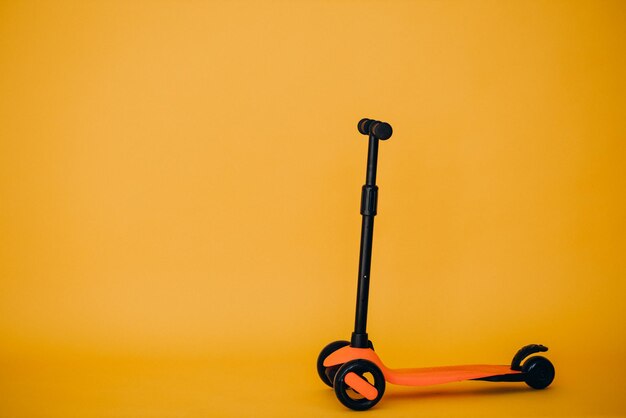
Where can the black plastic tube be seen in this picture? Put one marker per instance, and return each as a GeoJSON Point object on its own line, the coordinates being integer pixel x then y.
{"type": "Point", "coordinates": [369, 198]}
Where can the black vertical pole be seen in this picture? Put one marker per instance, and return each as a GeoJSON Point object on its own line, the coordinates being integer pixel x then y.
{"type": "Point", "coordinates": [369, 198]}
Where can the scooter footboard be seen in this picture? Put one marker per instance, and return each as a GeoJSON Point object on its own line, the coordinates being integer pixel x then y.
{"type": "Point", "coordinates": [436, 375]}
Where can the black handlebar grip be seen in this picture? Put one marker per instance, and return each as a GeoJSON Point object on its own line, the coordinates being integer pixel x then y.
{"type": "Point", "coordinates": [364, 126]}
{"type": "Point", "coordinates": [381, 130]}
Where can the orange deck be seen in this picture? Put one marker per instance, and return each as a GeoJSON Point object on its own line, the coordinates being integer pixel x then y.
{"type": "Point", "coordinates": [420, 376]}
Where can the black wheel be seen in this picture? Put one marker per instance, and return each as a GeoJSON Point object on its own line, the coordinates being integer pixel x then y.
{"type": "Point", "coordinates": [350, 397]}
{"type": "Point", "coordinates": [327, 374]}
{"type": "Point", "coordinates": [539, 372]}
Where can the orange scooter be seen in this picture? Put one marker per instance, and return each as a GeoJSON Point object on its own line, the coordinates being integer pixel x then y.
{"type": "Point", "coordinates": [354, 369]}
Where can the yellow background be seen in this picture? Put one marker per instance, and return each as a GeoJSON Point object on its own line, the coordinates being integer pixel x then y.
{"type": "Point", "coordinates": [180, 188]}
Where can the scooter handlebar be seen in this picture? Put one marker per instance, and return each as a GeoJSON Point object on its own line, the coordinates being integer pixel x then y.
{"type": "Point", "coordinates": [381, 130]}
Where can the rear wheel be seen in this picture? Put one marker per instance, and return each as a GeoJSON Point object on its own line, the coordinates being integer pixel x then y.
{"type": "Point", "coordinates": [327, 374]}
{"type": "Point", "coordinates": [539, 372]}
{"type": "Point", "coordinates": [359, 384]}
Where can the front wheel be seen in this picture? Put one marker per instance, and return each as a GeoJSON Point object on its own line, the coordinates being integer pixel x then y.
{"type": "Point", "coordinates": [539, 372]}
{"type": "Point", "coordinates": [327, 374]}
{"type": "Point", "coordinates": [359, 384]}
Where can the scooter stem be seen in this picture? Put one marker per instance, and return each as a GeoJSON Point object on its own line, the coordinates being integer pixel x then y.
{"type": "Point", "coordinates": [369, 200]}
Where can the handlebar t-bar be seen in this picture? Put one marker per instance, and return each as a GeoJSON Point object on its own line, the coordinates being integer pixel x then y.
{"type": "Point", "coordinates": [380, 130]}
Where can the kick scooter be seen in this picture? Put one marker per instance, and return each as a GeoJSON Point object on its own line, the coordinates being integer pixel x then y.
{"type": "Point", "coordinates": [354, 369]}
